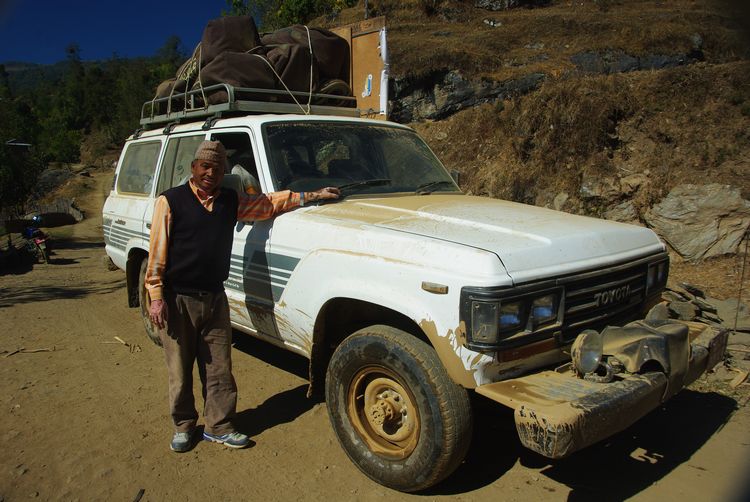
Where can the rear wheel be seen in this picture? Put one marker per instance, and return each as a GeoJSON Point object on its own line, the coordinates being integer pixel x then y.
{"type": "Point", "coordinates": [43, 253]}
{"type": "Point", "coordinates": [151, 330]}
{"type": "Point", "coordinates": [395, 410]}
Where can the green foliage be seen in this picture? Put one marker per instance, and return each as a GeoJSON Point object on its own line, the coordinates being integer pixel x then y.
{"type": "Point", "coordinates": [238, 8]}
{"type": "Point", "coordinates": [19, 170]}
{"type": "Point", "coordinates": [169, 57]}
{"type": "Point", "coordinates": [274, 14]}
{"type": "Point", "coordinates": [54, 110]}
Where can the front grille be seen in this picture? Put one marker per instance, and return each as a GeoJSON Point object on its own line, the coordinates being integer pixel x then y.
{"type": "Point", "coordinates": [595, 300]}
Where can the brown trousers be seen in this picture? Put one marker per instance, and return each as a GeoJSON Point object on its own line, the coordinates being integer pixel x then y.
{"type": "Point", "coordinates": [198, 329]}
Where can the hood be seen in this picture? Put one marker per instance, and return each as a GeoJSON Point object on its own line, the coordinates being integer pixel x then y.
{"type": "Point", "coordinates": [531, 242]}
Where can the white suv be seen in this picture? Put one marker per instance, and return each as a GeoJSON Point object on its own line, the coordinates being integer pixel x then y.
{"type": "Point", "coordinates": [407, 295]}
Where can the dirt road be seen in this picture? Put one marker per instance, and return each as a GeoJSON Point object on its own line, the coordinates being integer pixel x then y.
{"type": "Point", "coordinates": [89, 420]}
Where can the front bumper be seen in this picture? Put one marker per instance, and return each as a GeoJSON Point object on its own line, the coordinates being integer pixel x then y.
{"type": "Point", "coordinates": [558, 413]}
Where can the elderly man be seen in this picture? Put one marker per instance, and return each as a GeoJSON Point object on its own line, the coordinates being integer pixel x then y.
{"type": "Point", "coordinates": [190, 248]}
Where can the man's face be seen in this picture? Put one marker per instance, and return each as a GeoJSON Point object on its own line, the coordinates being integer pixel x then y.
{"type": "Point", "coordinates": [207, 174]}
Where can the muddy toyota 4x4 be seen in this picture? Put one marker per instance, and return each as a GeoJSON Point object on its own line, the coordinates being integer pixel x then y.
{"type": "Point", "coordinates": [407, 296]}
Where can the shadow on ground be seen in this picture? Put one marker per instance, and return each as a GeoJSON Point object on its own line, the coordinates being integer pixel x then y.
{"type": "Point", "coordinates": [615, 469]}
{"type": "Point", "coordinates": [20, 295]}
{"type": "Point", "coordinates": [279, 409]}
{"type": "Point", "coordinates": [17, 266]}
{"type": "Point", "coordinates": [76, 244]}
{"type": "Point", "coordinates": [270, 354]}
{"type": "Point", "coordinates": [646, 452]}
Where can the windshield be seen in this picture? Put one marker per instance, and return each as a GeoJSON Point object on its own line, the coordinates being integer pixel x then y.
{"type": "Point", "coordinates": [361, 158]}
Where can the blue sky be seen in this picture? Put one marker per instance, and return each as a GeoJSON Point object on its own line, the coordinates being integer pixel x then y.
{"type": "Point", "coordinates": [38, 31]}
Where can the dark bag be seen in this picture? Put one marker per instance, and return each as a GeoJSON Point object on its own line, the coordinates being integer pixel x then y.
{"type": "Point", "coordinates": [292, 64]}
{"type": "Point", "coordinates": [238, 69]}
{"type": "Point", "coordinates": [170, 87]}
{"type": "Point", "coordinates": [228, 34]}
{"type": "Point", "coordinates": [330, 51]}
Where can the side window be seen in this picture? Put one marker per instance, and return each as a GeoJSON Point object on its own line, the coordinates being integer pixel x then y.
{"type": "Point", "coordinates": [176, 166]}
{"type": "Point", "coordinates": [138, 166]}
{"type": "Point", "coordinates": [241, 160]}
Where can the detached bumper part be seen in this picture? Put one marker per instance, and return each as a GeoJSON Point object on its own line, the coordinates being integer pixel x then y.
{"type": "Point", "coordinates": [557, 414]}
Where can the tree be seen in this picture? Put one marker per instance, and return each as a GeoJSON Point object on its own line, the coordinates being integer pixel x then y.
{"type": "Point", "coordinates": [238, 8]}
{"type": "Point", "coordinates": [274, 14]}
{"type": "Point", "coordinates": [19, 170]}
{"type": "Point", "coordinates": [168, 58]}
{"type": "Point", "coordinates": [4, 83]}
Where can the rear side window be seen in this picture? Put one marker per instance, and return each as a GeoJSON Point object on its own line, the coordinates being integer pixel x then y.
{"type": "Point", "coordinates": [138, 166]}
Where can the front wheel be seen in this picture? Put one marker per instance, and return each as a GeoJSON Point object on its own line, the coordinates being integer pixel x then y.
{"type": "Point", "coordinates": [396, 412]}
{"type": "Point", "coordinates": [143, 301]}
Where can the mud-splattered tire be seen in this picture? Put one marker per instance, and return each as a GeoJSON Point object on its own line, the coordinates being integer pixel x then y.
{"type": "Point", "coordinates": [151, 330]}
{"type": "Point", "coordinates": [396, 412]}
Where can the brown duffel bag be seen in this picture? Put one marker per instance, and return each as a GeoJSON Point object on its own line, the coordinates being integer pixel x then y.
{"type": "Point", "coordinates": [228, 34]}
{"type": "Point", "coordinates": [292, 64]}
{"type": "Point", "coordinates": [238, 69]}
{"type": "Point", "coordinates": [330, 51]}
{"type": "Point", "coordinates": [173, 88]}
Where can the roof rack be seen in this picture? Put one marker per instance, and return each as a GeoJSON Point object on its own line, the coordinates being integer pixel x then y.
{"type": "Point", "coordinates": [188, 106]}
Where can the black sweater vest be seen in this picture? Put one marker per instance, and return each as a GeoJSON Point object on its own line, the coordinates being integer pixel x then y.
{"type": "Point", "coordinates": [200, 242]}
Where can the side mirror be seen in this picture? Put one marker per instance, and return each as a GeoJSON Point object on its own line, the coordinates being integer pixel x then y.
{"type": "Point", "coordinates": [456, 176]}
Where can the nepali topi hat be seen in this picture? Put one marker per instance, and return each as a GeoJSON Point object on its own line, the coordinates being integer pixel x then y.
{"type": "Point", "coordinates": [212, 151]}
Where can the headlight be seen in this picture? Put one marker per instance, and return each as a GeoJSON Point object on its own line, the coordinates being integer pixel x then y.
{"type": "Point", "coordinates": [586, 351]}
{"type": "Point", "coordinates": [484, 319]}
{"type": "Point", "coordinates": [510, 316]}
{"type": "Point", "coordinates": [656, 277]}
{"type": "Point", "coordinates": [543, 309]}
{"type": "Point", "coordinates": [661, 272]}
{"type": "Point", "coordinates": [651, 277]}
{"type": "Point", "coordinates": [494, 321]}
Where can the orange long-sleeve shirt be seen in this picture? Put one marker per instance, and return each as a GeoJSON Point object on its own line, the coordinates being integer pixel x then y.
{"type": "Point", "coordinates": [252, 207]}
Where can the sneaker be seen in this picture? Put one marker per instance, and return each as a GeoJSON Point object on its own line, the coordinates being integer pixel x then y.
{"type": "Point", "coordinates": [182, 441]}
{"type": "Point", "coordinates": [231, 439]}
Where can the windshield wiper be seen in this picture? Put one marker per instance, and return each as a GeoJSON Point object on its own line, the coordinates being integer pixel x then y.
{"type": "Point", "coordinates": [365, 183]}
{"type": "Point", "coordinates": [426, 188]}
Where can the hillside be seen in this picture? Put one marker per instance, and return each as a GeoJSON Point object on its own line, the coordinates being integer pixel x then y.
{"type": "Point", "coordinates": [612, 87]}
{"type": "Point", "coordinates": [598, 107]}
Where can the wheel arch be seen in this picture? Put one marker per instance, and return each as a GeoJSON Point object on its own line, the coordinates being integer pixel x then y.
{"type": "Point", "coordinates": [340, 317]}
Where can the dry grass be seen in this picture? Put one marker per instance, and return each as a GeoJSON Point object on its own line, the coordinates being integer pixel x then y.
{"type": "Point", "coordinates": [543, 39]}
{"type": "Point", "coordinates": [673, 125]}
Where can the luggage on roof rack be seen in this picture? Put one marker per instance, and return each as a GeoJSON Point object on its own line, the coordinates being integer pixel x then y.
{"type": "Point", "coordinates": [234, 71]}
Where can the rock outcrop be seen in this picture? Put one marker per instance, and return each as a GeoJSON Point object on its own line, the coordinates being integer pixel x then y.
{"type": "Point", "coordinates": [701, 221]}
{"type": "Point", "coordinates": [441, 94]}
